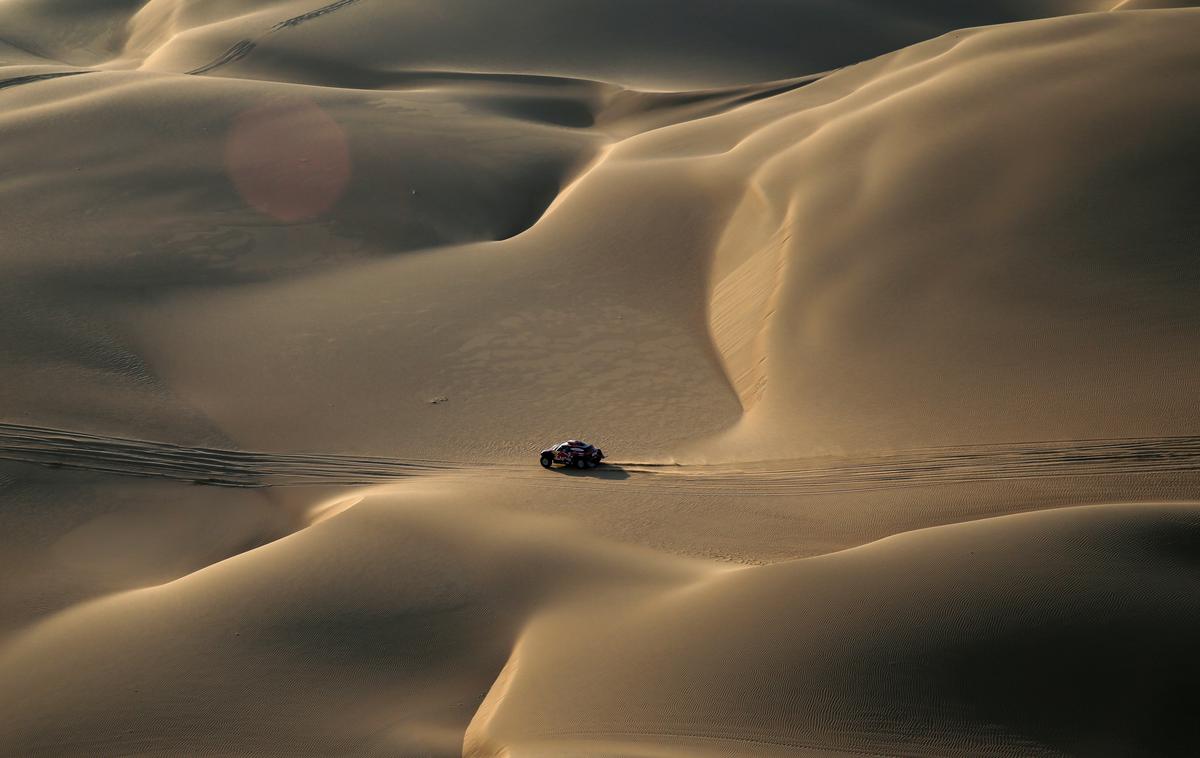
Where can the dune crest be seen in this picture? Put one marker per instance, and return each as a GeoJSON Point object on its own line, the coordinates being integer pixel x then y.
{"type": "Point", "coordinates": [920, 256]}
{"type": "Point", "coordinates": [957, 639]}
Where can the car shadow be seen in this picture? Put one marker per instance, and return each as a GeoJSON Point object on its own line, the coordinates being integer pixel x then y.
{"type": "Point", "coordinates": [603, 471]}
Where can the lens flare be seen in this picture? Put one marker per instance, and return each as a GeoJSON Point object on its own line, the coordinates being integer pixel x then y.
{"type": "Point", "coordinates": [288, 160]}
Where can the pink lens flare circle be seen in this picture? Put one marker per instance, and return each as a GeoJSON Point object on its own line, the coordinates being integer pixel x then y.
{"type": "Point", "coordinates": [288, 160]}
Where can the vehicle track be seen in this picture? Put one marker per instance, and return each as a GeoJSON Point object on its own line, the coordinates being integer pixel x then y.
{"type": "Point", "coordinates": [16, 81]}
{"type": "Point", "coordinates": [948, 465]}
{"type": "Point", "coordinates": [201, 465]}
{"type": "Point", "coordinates": [930, 466]}
{"type": "Point", "coordinates": [242, 48]}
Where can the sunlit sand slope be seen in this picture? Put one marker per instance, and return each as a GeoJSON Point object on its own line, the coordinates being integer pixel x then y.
{"type": "Point", "coordinates": [67, 537]}
{"type": "Point", "coordinates": [230, 184]}
{"type": "Point", "coordinates": [388, 626]}
{"type": "Point", "coordinates": [1062, 632]}
{"type": "Point", "coordinates": [987, 236]}
{"type": "Point", "coordinates": [376, 630]}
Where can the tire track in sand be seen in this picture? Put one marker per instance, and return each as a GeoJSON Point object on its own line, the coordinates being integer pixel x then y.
{"type": "Point", "coordinates": [238, 468]}
{"type": "Point", "coordinates": [201, 465]}
{"type": "Point", "coordinates": [242, 48]}
{"type": "Point", "coordinates": [16, 81]}
{"type": "Point", "coordinates": [942, 465]}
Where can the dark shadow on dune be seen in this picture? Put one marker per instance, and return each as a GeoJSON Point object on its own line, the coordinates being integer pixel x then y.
{"type": "Point", "coordinates": [547, 110]}
{"type": "Point", "coordinates": [762, 93]}
{"type": "Point", "coordinates": [603, 471]}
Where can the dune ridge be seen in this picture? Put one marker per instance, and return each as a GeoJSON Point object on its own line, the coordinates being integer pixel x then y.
{"type": "Point", "coordinates": [609, 656]}
{"type": "Point", "coordinates": [972, 664]}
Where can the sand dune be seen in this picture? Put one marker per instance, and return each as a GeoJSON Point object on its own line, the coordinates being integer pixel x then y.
{"type": "Point", "coordinates": [1032, 290]}
{"type": "Point", "coordinates": [621, 43]}
{"type": "Point", "coordinates": [413, 625]}
{"type": "Point", "coordinates": [883, 312]}
{"type": "Point", "coordinates": [968, 638]}
{"type": "Point", "coordinates": [801, 200]}
{"type": "Point", "coordinates": [977, 639]}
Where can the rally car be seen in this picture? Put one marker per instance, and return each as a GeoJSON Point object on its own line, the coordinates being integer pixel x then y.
{"type": "Point", "coordinates": [572, 453]}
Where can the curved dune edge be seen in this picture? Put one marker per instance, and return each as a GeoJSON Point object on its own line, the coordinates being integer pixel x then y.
{"type": "Point", "coordinates": [1019, 635]}
{"type": "Point", "coordinates": [419, 599]}
{"type": "Point", "coordinates": [407, 602]}
{"type": "Point", "coordinates": [882, 282]}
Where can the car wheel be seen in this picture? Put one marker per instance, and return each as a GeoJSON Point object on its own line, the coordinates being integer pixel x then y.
{"type": "Point", "coordinates": [580, 463]}
{"type": "Point", "coordinates": [591, 464]}
{"type": "Point", "coordinates": [547, 461]}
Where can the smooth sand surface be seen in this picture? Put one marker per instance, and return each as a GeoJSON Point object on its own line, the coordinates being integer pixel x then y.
{"type": "Point", "coordinates": [883, 312]}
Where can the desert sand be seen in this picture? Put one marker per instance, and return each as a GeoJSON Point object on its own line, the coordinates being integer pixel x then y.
{"type": "Point", "coordinates": [884, 314]}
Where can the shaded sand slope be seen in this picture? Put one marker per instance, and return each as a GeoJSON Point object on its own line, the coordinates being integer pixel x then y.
{"type": "Point", "coordinates": [1063, 631]}
{"type": "Point", "coordinates": [79, 32]}
{"type": "Point", "coordinates": [198, 194]}
{"type": "Point", "coordinates": [67, 537]}
{"type": "Point", "coordinates": [155, 206]}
